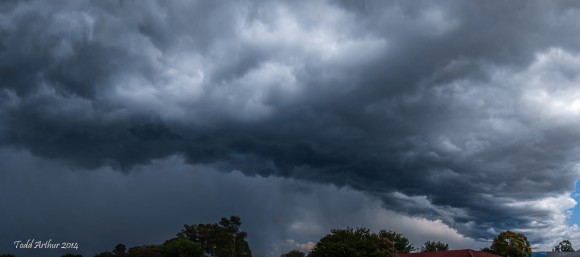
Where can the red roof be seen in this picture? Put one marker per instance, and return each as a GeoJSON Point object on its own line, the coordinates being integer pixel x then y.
{"type": "Point", "coordinates": [452, 253]}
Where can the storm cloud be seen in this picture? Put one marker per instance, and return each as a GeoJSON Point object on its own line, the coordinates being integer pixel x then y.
{"type": "Point", "coordinates": [460, 112]}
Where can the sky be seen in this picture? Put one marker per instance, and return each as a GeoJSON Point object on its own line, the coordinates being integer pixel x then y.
{"type": "Point", "coordinates": [121, 121]}
{"type": "Point", "coordinates": [575, 219]}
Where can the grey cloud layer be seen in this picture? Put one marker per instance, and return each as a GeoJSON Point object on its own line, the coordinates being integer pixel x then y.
{"type": "Point", "coordinates": [454, 111]}
{"type": "Point", "coordinates": [101, 208]}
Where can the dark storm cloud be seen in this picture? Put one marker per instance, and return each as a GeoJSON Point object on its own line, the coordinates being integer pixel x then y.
{"type": "Point", "coordinates": [447, 111]}
{"type": "Point", "coordinates": [100, 208]}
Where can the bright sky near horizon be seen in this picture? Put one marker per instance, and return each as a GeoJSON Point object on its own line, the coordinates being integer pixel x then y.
{"type": "Point", "coordinates": [575, 213]}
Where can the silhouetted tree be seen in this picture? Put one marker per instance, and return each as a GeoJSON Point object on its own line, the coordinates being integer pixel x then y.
{"type": "Point", "coordinates": [105, 254]}
{"type": "Point", "coordinates": [223, 239]}
{"type": "Point", "coordinates": [180, 247]}
{"type": "Point", "coordinates": [293, 253]}
{"type": "Point", "coordinates": [144, 251]}
{"type": "Point", "coordinates": [433, 246]}
{"type": "Point", "coordinates": [510, 244]}
{"type": "Point", "coordinates": [564, 246]}
{"type": "Point", "coordinates": [72, 255]}
{"type": "Point", "coordinates": [7, 255]}
{"type": "Point", "coordinates": [402, 244]}
{"type": "Point", "coordinates": [120, 250]}
{"type": "Point", "coordinates": [353, 243]}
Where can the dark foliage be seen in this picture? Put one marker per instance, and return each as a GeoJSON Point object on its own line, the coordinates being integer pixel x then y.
{"type": "Point", "coordinates": [353, 243]}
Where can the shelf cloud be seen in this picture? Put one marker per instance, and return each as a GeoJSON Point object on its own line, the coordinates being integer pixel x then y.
{"type": "Point", "coordinates": [464, 113]}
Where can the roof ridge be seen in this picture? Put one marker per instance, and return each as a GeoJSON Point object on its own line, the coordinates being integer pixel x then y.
{"type": "Point", "coordinates": [470, 254]}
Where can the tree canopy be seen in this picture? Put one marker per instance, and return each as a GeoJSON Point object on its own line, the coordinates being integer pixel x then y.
{"type": "Point", "coordinates": [223, 239]}
{"type": "Point", "coordinates": [105, 254]}
{"type": "Point", "coordinates": [402, 244]}
{"type": "Point", "coordinates": [433, 246]}
{"type": "Point", "coordinates": [181, 247]}
{"type": "Point", "coordinates": [145, 251]}
{"type": "Point", "coordinates": [510, 244]}
{"type": "Point", "coordinates": [351, 242]}
{"type": "Point", "coordinates": [564, 246]}
{"type": "Point", "coordinates": [293, 253]}
{"type": "Point", "coordinates": [120, 250]}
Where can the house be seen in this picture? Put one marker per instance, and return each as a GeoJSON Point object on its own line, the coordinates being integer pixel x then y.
{"type": "Point", "coordinates": [452, 253]}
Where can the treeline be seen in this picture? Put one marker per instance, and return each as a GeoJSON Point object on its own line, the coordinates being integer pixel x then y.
{"type": "Point", "coordinates": [225, 239]}
{"type": "Point", "coordinates": [361, 242]}
{"type": "Point", "coordinates": [220, 240]}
